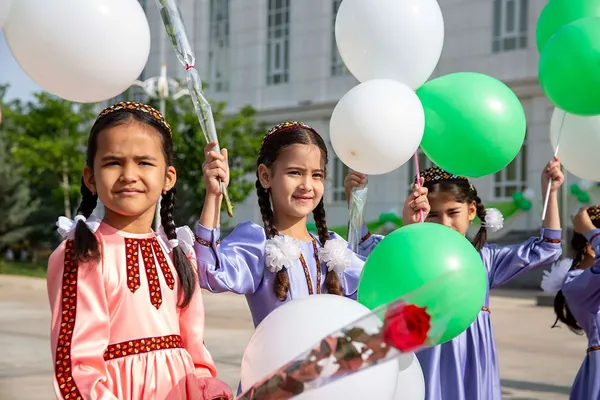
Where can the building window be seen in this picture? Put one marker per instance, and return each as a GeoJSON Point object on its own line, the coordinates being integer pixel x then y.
{"type": "Point", "coordinates": [278, 43]}
{"type": "Point", "coordinates": [424, 162]}
{"type": "Point", "coordinates": [219, 46]}
{"type": "Point", "coordinates": [337, 65]}
{"type": "Point", "coordinates": [510, 25]}
{"type": "Point", "coordinates": [340, 170]}
{"type": "Point", "coordinates": [513, 178]}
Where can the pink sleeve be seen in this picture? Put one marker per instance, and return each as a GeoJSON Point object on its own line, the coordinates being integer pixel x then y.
{"type": "Point", "coordinates": [191, 324]}
{"type": "Point", "coordinates": [80, 326]}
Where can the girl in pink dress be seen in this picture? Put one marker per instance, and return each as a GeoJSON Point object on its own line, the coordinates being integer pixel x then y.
{"type": "Point", "coordinates": [127, 312]}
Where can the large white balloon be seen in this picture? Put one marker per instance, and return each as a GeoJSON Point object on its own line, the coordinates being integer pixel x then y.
{"type": "Point", "coordinates": [392, 39]}
{"type": "Point", "coordinates": [297, 326]}
{"type": "Point", "coordinates": [84, 51]}
{"type": "Point", "coordinates": [4, 10]}
{"type": "Point", "coordinates": [377, 126]}
{"type": "Point", "coordinates": [579, 143]}
{"type": "Point", "coordinates": [411, 383]}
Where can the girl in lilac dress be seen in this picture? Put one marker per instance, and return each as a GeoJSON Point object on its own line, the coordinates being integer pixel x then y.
{"type": "Point", "coordinates": [280, 260]}
{"type": "Point", "coordinates": [577, 303]}
{"type": "Point", "coordinates": [466, 368]}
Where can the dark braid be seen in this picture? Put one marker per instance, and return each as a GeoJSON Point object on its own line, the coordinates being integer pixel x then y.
{"type": "Point", "coordinates": [579, 245]}
{"type": "Point", "coordinates": [281, 285]}
{"type": "Point", "coordinates": [85, 243]}
{"type": "Point", "coordinates": [184, 269]}
{"type": "Point", "coordinates": [481, 237]}
{"type": "Point", "coordinates": [332, 280]}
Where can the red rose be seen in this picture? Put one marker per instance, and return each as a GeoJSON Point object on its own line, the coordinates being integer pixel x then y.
{"type": "Point", "coordinates": [406, 326]}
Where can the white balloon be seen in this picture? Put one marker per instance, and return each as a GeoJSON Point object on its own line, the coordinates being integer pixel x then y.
{"type": "Point", "coordinates": [84, 51]}
{"type": "Point", "coordinates": [392, 39]}
{"type": "Point", "coordinates": [4, 10]}
{"type": "Point", "coordinates": [297, 326]}
{"type": "Point", "coordinates": [377, 126]}
{"type": "Point", "coordinates": [411, 382]}
{"type": "Point", "coordinates": [579, 143]}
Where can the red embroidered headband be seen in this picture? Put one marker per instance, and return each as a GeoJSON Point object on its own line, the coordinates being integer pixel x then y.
{"type": "Point", "coordinates": [285, 126]}
{"type": "Point", "coordinates": [134, 105]}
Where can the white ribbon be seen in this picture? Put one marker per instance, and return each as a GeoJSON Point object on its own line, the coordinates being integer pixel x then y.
{"type": "Point", "coordinates": [185, 239]}
{"type": "Point", "coordinates": [66, 227]}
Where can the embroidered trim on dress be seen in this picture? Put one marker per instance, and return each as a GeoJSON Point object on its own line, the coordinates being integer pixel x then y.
{"type": "Point", "coordinates": [145, 345]}
{"type": "Point", "coordinates": [594, 236]}
{"type": "Point", "coordinates": [548, 240]}
{"type": "Point", "coordinates": [364, 238]}
{"type": "Point", "coordinates": [486, 309]}
{"type": "Point", "coordinates": [149, 248]}
{"type": "Point", "coordinates": [205, 243]}
{"type": "Point", "coordinates": [62, 369]}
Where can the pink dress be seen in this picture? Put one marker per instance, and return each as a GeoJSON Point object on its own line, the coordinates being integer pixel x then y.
{"type": "Point", "coordinates": [117, 332]}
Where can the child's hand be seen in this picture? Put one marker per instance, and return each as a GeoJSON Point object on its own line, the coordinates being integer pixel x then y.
{"type": "Point", "coordinates": [582, 223]}
{"type": "Point", "coordinates": [215, 389]}
{"type": "Point", "coordinates": [552, 172]}
{"type": "Point", "coordinates": [353, 180]}
{"type": "Point", "coordinates": [417, 201]}
{"type": "Point", "coordinates": [215, 169]}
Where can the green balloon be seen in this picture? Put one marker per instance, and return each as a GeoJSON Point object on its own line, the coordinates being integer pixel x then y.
{"type": "Point", "coordinates": [558, 13]}
{"type": "Point", "coordinates": [575, 189]}
{"type": "Point", "coordinates": [569, 70]}
{"type": "Point", "coordinates": [518, 197]}
{"type": "Point", "coordinates": [525, 205]}
{"type": "Point", "coordinates": [403, 263]}
{"type": "Point", "coordinates": [474, 124]}
{"type": "Point", "coordinates": [583, 197]}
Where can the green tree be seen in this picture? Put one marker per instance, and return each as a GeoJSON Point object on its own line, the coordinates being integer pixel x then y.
{"type": "Point", "coordinates": [48, 137]}
{"type": "Point", "coordinates": [16, 205]}
{"type": "Point", "coordinates": [240, 133]}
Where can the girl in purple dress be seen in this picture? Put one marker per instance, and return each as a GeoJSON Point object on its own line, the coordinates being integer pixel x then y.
{"type": "Point", "coordinates": [577, 303]}
{"type": "Point", "coordinates": [466, 368]}
{"type": "Point", "coordinates": [280, 260]}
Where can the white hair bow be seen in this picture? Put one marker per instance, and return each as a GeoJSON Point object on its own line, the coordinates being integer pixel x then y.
{"type": "Point", "coordinates": [185, 239]}
{"type": "Point", "coordinates": [66, 227]}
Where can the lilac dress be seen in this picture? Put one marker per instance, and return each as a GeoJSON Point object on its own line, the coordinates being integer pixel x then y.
{"type": "Point", "coordinates": [466, 368]}
{"type": "Point", "coordinates": [582, 292]}
{"type": "Point", "coordinates": [236, 264]}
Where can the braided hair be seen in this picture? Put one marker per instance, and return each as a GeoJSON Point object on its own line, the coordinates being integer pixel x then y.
{"type": "Point", "coordinates": [85, 244]}
{"type": "Point", "coordinates": [279, 138]}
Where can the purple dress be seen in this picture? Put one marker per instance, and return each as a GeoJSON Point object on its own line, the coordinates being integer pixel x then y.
{"type": "Point", "coordinates": [236, 264]}
{"type": "Point", "coordinates": [466, 368]}
{"type": "Point", "coordinates": [582, 292]}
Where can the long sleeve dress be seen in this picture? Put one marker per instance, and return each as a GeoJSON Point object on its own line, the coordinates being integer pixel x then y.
{"type": "Point", "coordinates": [466, 368]}
{"type": "Point", "coordinates": [581, 289]}
{"type": "Point", "coordinates": [237, 264]}
{"type": "Point", "coordinates": [117, 332]}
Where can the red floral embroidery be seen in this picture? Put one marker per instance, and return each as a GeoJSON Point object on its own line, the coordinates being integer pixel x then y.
{"type": "Point", "coordinates": [151, 273]}
{"type": "Point", "coordinates": [406, 326]}
{"type": "Point", "coordinates": [145, 345]}
{"type": "Point", "coordinates": [62, 369]}
{"type": "Point", "coordinates": [133, 264]}
{"type": "Point", "coordinates": [548, 240]}
{"type": "Point", "coordinates": [164, 266]}
{"type": "Point", "coordinates": [206, 243]}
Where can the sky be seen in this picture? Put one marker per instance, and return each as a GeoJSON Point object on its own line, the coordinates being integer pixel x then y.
{"type": "Point", "coordinates": [21, 86]}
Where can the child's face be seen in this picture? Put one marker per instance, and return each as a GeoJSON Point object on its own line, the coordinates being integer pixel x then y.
{"type": "Point", "coordinates": [130, 171]}
{"type": "Point", "coordinates": [446, 211]}
{"type": "Point", "coordinates": [296, 180]}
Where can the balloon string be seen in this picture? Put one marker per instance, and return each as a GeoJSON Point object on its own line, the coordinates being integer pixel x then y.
{"type": "Point", "coordinates": [560, 132]}
{"type": "Point", "coordinates": [418, 184]}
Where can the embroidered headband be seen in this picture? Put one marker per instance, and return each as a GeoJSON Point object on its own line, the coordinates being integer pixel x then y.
{"type": "Point", "coordinates": [594, 212]}
{"type": "Point", "coordinates": [134, 105]}
{"type": "Point", "coordinates": [283, 127]}
{"type": "Point", "coordinates": [436, 174]}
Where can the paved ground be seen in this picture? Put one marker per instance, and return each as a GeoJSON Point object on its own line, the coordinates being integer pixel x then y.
{"type": "Point", "coordinates": [536, 362]}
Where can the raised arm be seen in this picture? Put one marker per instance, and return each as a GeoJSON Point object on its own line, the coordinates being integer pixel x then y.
{"type": "Point", "coordinates": [235, 264]}
{"type": "Point", "coordinates": [506, 262]}
{"type": "Point", "coordinates": [80, 326]}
